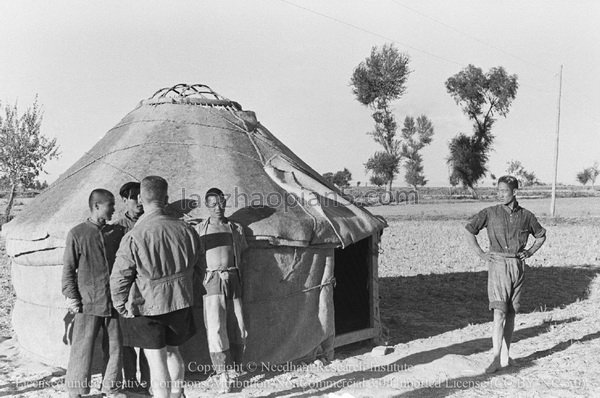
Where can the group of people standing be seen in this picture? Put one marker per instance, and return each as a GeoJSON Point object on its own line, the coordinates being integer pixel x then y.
{"type": "Point", "coordinates": [137, 280]}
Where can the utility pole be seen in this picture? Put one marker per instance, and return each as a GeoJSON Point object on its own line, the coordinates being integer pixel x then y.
{"type": "Point", "coordinates": [553, 202]}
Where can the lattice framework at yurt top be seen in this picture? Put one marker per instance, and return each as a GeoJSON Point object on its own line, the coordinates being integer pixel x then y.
{"type": "Point", "coordinates": [194, 94]}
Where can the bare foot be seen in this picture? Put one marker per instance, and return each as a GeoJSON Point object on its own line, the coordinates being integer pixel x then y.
{"type": "Point", "coordinates": [508, 362]}
{"type": "Point", "coordinates": [494, 366]}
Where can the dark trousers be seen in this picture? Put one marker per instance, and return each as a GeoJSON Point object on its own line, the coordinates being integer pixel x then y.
{"type": "Point", "coordinates": [79, 370]}
{"type": "Point", "coordinates": [130, 363]}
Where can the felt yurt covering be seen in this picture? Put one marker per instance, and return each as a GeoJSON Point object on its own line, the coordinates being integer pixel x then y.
{"type": "Point", "coordinates": [295, 221]}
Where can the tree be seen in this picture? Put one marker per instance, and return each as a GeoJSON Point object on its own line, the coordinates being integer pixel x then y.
{"type": "Point", "coordinates": [594, 172]}
{"type": "Point", "coordinates": [377, 81]}
{"type": "Point", "coordinates": [377, 180]}
{"type": "Point", "coordinates": [37, 185]}
{"type": "Point", "coordinates": [589, 174]}
{"type": "Point", "coordinates": [329, 177]}
{"type": "Point", "coordinates": [454, 181]}
{"type": "Point", "coordinates": [342, 178]}
{"type": "Point", "coordinates": [467, 161]}
{"type": "Point", "coordinates": [383, 166]}
{"type": "Point", "coordinates": [526, 178]}
{"type": "Point", "coordinates": [481, 96]}
{"type": "Point", "coordinates": [24, 150]}
{"type": "Point", "coordinates": [584, 176]}
{"type": "Point", "coordinates": [415, 137]}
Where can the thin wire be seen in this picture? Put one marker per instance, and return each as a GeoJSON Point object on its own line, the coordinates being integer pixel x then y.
{"type": "Point", "coordinates": [473, 37]}
{"type": "Point", "coordinates": [397, 42]}
{"type": "Point", "coordinates": [371, 32]}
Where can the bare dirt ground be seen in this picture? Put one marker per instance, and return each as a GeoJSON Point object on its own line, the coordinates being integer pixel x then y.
{"type": "Point", "coordinates": [434, 308]}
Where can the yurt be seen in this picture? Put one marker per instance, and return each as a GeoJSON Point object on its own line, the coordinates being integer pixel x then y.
{"type": "Point", "coordinates": [309, 276]}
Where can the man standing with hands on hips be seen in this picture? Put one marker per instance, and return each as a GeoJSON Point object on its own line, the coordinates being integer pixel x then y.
{"type": "Point", "coordinates": [508, 227]}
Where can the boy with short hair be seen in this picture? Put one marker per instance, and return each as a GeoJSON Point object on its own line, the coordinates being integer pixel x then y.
{"type": "Point", "coordinates": [221, 244]}
{"type": "Point", "coordinates": [508, 227]}
{"type": "Point", "coordinates": [88, 259]}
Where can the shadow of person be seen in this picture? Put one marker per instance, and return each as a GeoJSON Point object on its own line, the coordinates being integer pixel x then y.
{"type": "Point", "coordinates": [422, 306]}
{"type": "Point", "coordinates": [452, 386]}
{"type": "Point", "coordinates": [426, 305]}
{"type": "Point", "coordinates": [181, 207]}
{"type": "Point", "coordinates": [251, 214]}
{"type": "Point", "coordinates": [465, 349]}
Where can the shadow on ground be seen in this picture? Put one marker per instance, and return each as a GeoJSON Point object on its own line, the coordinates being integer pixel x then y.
{"type": "Point", "coordinates": [448, 386]}
{"type": "Point", "coordinates": [427, 305]}
{"type": "Point", "coordinates": [465, 348]}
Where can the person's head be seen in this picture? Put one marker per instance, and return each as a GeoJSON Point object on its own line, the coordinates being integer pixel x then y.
{"type": "Point", "coordinates": [153, 191]}
{"type": "Point", "coordinates": [215, 202]}
{"type": "Point", "coordinates": [102, 204]}
{"type": "Point", "coordinates": [507, 189]}
{"type": "Point", "coordinates": [129, 192]}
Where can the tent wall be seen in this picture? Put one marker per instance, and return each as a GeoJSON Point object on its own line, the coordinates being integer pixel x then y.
{"type": "Point", "coordinates": [288, 306]}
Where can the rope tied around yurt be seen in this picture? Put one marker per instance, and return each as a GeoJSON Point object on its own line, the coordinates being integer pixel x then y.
{"type": "Point", "coordinates": [331, 282]}
{"type": "Point", "coordinates": [171, 121]}
{"type": "Point", "coordinates": [98, 158]}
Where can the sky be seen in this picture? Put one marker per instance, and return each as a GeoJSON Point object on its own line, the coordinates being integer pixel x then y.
{"type": "Point", "coordinates": [290, 61]}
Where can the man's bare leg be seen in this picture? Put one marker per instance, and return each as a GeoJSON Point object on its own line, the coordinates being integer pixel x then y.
{"type": "Point", "coordinates": [497, 334]}
{"type": "Point", "coordinates": [509, 327]}
{"type": "Point", "coordinates": [159, 372]}
{"type": "Point", "coordinates": [176, 368]}
{"type": "Point", "coordinates": [239, 314]}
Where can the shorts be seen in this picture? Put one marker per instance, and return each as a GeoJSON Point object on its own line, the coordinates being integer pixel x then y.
{"type": "Point", "coordinates": [226, 283]}
{"type": "Point", "coordinates": [158, 331]}
{"type": "Point", "coordinates": [505, 282]}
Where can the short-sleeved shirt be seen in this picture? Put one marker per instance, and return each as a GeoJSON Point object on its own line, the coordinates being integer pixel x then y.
{"type": "Point", "coordinates": [508, 229]}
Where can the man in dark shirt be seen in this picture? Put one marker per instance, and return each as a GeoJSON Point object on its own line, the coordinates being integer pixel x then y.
{"type": "Point", "coordinates": [508, 227]}
{"type": "Point", "coordinates": [133, 210]}
{"type": "Point", "coordinates": [88, 259]}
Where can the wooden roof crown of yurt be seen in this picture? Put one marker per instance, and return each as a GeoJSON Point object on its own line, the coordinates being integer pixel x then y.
{"type": "Point", "coordinates": [309, 276]}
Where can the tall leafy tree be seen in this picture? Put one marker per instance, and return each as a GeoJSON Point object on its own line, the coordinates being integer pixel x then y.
{"type": "Point", "coordinates": [415, 136]}
{"type": "Point", "coordinates": [376, 82]}
{"type": "Point", "coordinates": [24, 150]}
{"type": "Point", "coordinates": [482, 97]}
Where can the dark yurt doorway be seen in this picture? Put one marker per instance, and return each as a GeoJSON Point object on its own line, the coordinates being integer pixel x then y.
{"type": "Point", "coordinates": [352, 295]}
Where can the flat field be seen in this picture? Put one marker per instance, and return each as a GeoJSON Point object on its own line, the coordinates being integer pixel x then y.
{"type": "Point", "coordinates": [433, 304]}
